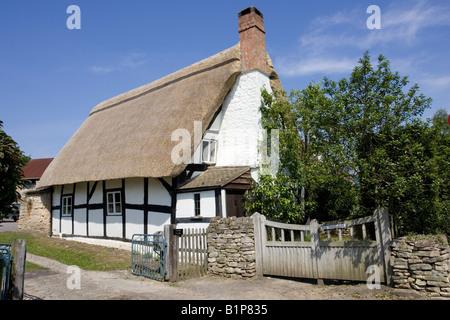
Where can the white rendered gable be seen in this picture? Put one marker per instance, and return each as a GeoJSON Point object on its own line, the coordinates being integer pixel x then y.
{"type": "Point", "coordinates": [240, 133]}
{"type": "Point", "coordinates": [238, 127]}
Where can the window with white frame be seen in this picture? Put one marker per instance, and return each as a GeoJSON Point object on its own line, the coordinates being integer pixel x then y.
{"type": "Point", "coordinates": [209, 150]}
{"type": "Point", "coordinates": [114, 202]}
{"type": "Point", "coordinates": [66, 209]}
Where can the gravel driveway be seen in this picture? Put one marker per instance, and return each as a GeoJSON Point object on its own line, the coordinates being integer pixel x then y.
{"type": "Point", "coordinates": [57, 282]}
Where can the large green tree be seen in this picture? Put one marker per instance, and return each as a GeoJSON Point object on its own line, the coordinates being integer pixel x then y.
{"type": "Point", "coordinates": [441, 163]}
{"type": "Point", "coordinates": [351, 146]}
{"type": "Point", "coordinates": [312, 181]}
{"type": "Point", "coordinates": [373, 103]}
{"type": "Point", "coordinates": [12, 160]}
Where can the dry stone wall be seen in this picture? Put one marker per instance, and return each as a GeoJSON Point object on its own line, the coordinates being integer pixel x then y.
{"type": "Point", "coordinates": [35, 212]}
{"type": "Point", "coordinates": [231, 247]}
{"type": "Point", "coordinates": [422, 263]}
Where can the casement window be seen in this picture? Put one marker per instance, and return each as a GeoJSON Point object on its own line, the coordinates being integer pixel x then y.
{"type": "Point", "coordinates": [67, 202]}
{"type": "Point", "coordinates": [197, 204]}
{"type": "Point", "coordinates": [209, 151]}
{"type": "Point", "coordinates": [114, 203]}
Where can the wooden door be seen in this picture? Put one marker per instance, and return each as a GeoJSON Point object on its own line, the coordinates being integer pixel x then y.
{"type": "Point", "coordinates": [235, 203]}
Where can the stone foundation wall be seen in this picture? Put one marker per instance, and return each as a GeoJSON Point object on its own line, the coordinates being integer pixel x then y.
{"type": "Point", "coordinates": [35, 212]}
{"type": "Point", "coordinates": [422, 263]}
{"type": "Point", "coordinates": [231, 247]}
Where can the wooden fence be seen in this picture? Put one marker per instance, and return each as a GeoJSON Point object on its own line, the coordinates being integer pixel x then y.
{"type": "Point", "coordinates": [341, 250]}
{"type": "Point", "coordinates": [192, 255]}
{"type": "Point", "coordinates": [187, 253]}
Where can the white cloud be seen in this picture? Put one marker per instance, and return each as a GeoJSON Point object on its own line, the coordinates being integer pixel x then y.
{"type": "Point", "coordinates": [340, 17]}
{"type": "Point", "coordinates": [436, 83]}
{"type": "Point", "coordinates": [322, 65]}
{"type": "Point", "coordinates": [133, 60]}
{"type": "Point", "coordinates": [400, 24]}
{"type": "Point", "coordinates": [129, 61]}
{"type": "Point", "coordinates": [101, 70]}
{"type": "Point", "coordinates": [346, 30]}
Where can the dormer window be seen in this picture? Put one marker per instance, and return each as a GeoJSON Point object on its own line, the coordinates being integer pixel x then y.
{"type": "Point", "coordinates": [209, 150]}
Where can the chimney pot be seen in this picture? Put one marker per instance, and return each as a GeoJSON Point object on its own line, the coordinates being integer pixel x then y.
{"type": "Point", "coordinates": [252, 40]}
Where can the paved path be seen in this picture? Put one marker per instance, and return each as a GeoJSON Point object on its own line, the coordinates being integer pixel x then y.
{"type": "Point", "coordinates": [8, 225]}
{"type": "Point", "coordinates": [58, 282]}
{"type": "Point", "coordinates": [54, 284]}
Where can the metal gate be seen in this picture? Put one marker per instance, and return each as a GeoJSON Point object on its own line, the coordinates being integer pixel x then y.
{"type": "Point", "coordinates": [5, 266]}
{"type": "Point", "coordinates": [148, 255]}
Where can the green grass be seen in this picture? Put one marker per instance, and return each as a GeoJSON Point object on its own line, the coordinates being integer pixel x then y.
{"type": "Point", "coordinates": [30, 266]}
{"type": "Point", "coordinates": [85, 256]}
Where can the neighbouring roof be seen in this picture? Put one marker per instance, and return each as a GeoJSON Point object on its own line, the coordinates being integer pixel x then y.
{"type": "Point", "coordinates": [35, 168]}
{"type": "Point", "coordinates": [217, 177]}
{"type": "Point", "coordinates": [130, 135]}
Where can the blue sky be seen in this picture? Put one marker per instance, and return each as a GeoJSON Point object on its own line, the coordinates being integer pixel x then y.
{"type": "Point", "coordinates": [51, 76]}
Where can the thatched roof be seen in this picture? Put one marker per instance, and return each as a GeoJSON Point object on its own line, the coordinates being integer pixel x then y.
{"type": "Point", "coordinates": [130, 135]}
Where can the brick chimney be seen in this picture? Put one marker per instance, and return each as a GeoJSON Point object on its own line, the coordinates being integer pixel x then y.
{"type": "Point", "coordinates": [252, 40]}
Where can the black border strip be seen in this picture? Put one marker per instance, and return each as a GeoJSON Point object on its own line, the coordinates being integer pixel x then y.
{"type": "Point", "coordinates": [104, 204]}
{"type": "Point", "coordinates": [145, 205]}
{"type": "Point", "coordinates": [149, 207]}
{"type": "Point", "coordinates": [194, 220]}
{"type": "Point", "coordinates": [60, 207]}
{"type": "Point", "coordinates": [124, 211]}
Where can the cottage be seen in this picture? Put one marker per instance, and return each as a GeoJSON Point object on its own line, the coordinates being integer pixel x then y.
{"type": "Point", "coordinates": [33, 171]}
{"type": "Point", "coordinates": [34, 204]}
{"type": "Point", "coordinates": [119, 174]}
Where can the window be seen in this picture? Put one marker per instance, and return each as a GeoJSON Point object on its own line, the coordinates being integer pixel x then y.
{"type": "Point", "coordinates": [197, 204]}
{"type": "Point", "coordinates": [67, 205]}
{"type": "Point", "coordinates": [209, 151]}
{"type": "Point", "coordinates": [114, 203]}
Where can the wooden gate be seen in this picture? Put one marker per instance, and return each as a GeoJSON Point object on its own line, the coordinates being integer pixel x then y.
{"type": "Point", "coordinates": [192, 255]}
{"type": "Point", "coordinates": [340, 250]}
{"type": "Point", "coordinates": [187, 253]}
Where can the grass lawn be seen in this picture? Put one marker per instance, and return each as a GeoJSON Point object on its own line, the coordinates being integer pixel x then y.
{"type": "Point", "coordinates": [85, 256]}
{"type": "Point", "coordinates": [30, 266]}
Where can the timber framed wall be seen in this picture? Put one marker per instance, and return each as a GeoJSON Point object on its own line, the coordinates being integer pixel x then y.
{"type": "Point", "coordinates": [146, 206]}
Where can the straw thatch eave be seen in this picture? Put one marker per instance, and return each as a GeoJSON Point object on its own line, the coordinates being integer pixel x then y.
{"type": "Point", "coordinates": [130, 135]}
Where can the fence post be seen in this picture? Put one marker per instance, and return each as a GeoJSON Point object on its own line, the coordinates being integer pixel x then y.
{"type": "Point", "coordinates": [258, 225]}
{"type": "Point", "coordinates": [19, 253]}
{"type": "Point", "coordinates": [385, 239]}
{"type": "Point", "coordinates": [172, 252]}
{"type": "Point", "coordinates": [315, 254]}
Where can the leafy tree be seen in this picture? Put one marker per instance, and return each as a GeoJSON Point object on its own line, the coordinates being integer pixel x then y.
{"type": "Point", "coordinates": [409, 185]}
{"type": "Point", "coordinates": [441, 161]}
{"type": "Point", "coordinates": [278, 197]}
{"type": "Point", "coordinates": [351, 146]}
{"type": "Point", "coordinates": [371, 103]}
{"type": "Point", "coordinates": [311, 182]}
{"type": "Point", "coordinates": [12, 160]}
{"type": "Point", "coordinates": [440, 122]}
